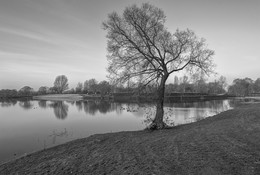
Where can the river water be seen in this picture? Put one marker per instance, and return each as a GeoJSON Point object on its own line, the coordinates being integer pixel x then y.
{"type": "Point", "coordinates": [30, 125]}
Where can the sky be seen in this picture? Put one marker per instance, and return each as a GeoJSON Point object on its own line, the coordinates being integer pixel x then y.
{"type": "Point", "coordinates": [41, 39]}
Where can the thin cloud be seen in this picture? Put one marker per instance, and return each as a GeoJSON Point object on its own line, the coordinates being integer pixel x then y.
{"type": "Point", "coordinates": [25, 34]}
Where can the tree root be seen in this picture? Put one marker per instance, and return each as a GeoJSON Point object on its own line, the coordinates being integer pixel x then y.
{"type": "Point", "coordinates": [157, 126]}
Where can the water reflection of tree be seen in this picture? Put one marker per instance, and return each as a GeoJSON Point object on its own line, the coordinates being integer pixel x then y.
{"type": "Point", "coordinates": [179, 113]}
{"type": "Point", "coordinates": [8, 102]}
{"type": "Point", "coordinates": [79, 105]}
{"type": "Point", "coordinates": [117, 107]}
{"type": "Point", "coordinates": [137, 109]}
{"type": "Point", "coordinates": [104, 107]}
{"type": "Point", "coordinates": [60, 109]}
{"type": "Point", "coordinates": [71, 102]}
{"type": "Point", "coordinates": [92, 107]}
{"type": "Point", "coordinates": [26, 104]}
{"type": "Point", "coordinates": [200, 104]}
{"type": "Point", "coordinates": [150, 111]}
{"type": "Point", "coordinates": [42, 104]}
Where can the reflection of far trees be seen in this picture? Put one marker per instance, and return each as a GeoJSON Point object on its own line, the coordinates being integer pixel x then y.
{"type": "Point", "coordinates": [92, 107]}
{"type": "Point", "coordinates": [60, 109]}
{"type": "Point", "coordinates": [138, 110]}
{"type": "Point", "coordinates": [117, 107]}
{"type": "Point", "coordinates": [200, 110]}
{"type": "Point", "coordinates": [26, 104]}
{"type": "Point", "coordinates": [217, 106]}
{"type": "Point", "coordinates": [71, 102]}
{"type": "Point", "coordinates": [42, 104]}
{"type": "Point", "coordinates": [79, 105]}
{"type": "Point", "coordinates": [180, 113]}
{"type": "Point", "coordinates": [104, 107]}
{"type": "Point", "coordinates": [8, 102]}
{"type": "Point", "coordinates": [213, 104]}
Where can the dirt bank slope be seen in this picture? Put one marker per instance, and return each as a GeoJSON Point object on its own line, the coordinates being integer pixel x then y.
{"type": "Point", "coordinates": [228, 143]}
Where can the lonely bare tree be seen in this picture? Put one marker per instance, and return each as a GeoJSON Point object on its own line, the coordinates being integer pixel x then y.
{"type": "Point", "coordinates": [61, 83]}
{"type": "Point", "coordinates": [140, 46]}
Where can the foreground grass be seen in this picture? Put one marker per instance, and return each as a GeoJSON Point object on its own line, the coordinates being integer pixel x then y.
{"type": "Point", "coordinates": [228, 143]}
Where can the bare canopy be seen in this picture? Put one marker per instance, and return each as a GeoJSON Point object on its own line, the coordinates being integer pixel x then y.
{"type": "Point", "coordinates": [139, 45]}
{"type": "Point", "coordinates": [61, 83]}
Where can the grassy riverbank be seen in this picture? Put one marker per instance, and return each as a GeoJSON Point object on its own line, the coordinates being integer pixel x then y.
{"type": "Point", "coordinates": [59, 97]}
{"type": "Point", "coordinates": [228, 143]}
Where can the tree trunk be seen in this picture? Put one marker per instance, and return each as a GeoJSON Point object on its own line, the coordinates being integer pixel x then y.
{"type": "Point", "coordinates": [158, 120]}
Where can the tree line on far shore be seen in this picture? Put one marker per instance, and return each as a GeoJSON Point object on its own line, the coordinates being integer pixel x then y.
{"type": "Point", "coordinates": [184, 84]}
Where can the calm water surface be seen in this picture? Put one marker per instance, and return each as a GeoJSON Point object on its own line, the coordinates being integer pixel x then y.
{"type": "Point", "coordinates": [30, 125]}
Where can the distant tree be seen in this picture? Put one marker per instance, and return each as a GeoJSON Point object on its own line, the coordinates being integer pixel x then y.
{"type": "Point", "coordinates": [257, 85]}
{"type": "Point", "coordinates": [92, 84]}
{"type": "Point", "coordinates": [104, 87]}
{"type": "Point", "coordinates": [61, 83]}
{"type": "Point", "coordinates": [8, 93]}
{"type": "Point", "coordinates": [86, 87]}
{"type": "Point", "coordinates": [52, 90]}
{"type": "Point", "coordinates": [118, 87]}
{"type": "Point", "coordinates": [43, 90]}
{"type": "Point", "coordinates": [190, 87]}
{"type": "Point", "coordinates": [222, 81]}
{"type": "Point", "coordinates": [202, 86]}
{"type": "Point", "coordinates": [131, 85]}
{"type": "Point", "coordinates": [26, 90]}
{"type": "Point", "coordinates": [70, 91]}
{"type": "Point", "coordinates": [183, 84]}
{"type": "Point", "coordinates": [173, 87]}
{"type": "Point", "coordinates": [185, 79]}
{"type": "Point", "coordinates": [212, 87]}
{"type": "Point", "coordinates": [199, 80]}
{"type": "Point", "coordinates": [241, 87]}
{"type": "Point", "coordinates": [249, 85]}
{"type": "Point", "coordinates": [79, 87]}
{"type": "Point", "coordinates": [169, 88]}
{"type": "Point", "coordinates": [176, 80]}
{"type": "Point", "coordinates": [139, 45]}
